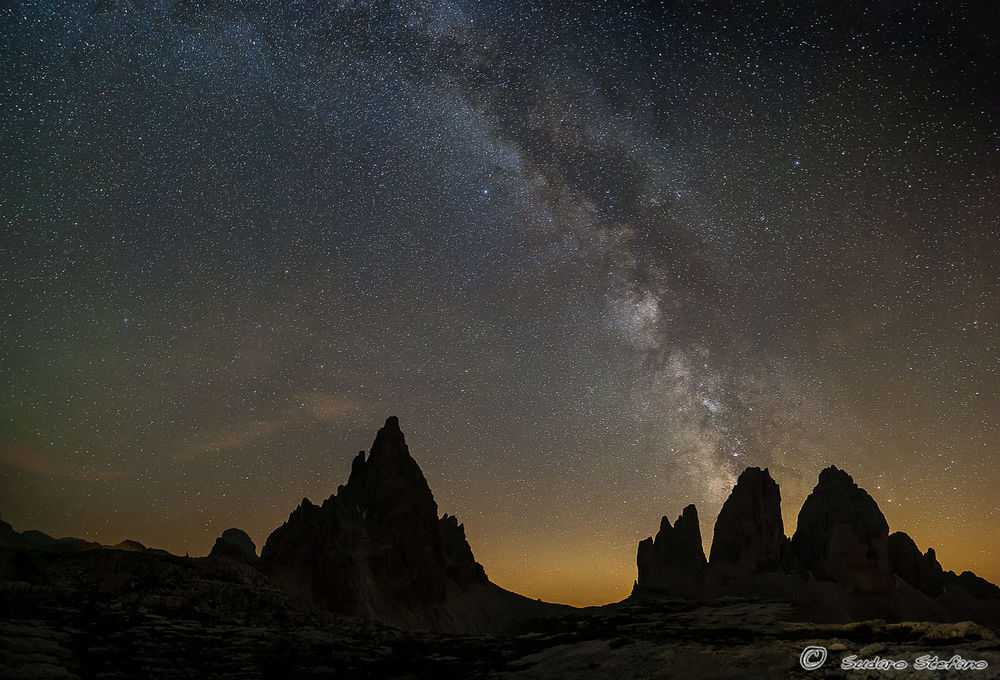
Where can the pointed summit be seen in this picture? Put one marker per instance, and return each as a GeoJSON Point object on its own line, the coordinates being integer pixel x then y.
{"type": "Point", "coordinates": [390, 439]}
{"type": "Point", "coordinates": [675, 559]}
{"type": "Point", "coordinates": [389, 482]}
{"type": "Point", "coordinates": [391, 426]}
{"type": "Point", "coordinates": [749, 532]}
{"type": "Point", "coordinates": [377, 548]}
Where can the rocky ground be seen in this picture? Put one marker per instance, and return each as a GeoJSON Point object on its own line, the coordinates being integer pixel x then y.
{"type": "Point", "coordinates": [115, 614]}
{"type": "Point", "coordinates": [736, 638]}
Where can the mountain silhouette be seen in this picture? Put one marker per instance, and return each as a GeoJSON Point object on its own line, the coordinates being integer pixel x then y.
{"type": "Point", "coordinates": [378, 550]}
{"type": "Point", "coordinates": [373, 583]}
{"type": "Point", "coordinates": [840, 565]}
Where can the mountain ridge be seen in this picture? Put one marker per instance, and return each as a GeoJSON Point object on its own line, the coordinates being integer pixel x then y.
{"type": "Point", "coordinates": [377, 550]}
{"type": "Point", "coordinates": [840, 564]}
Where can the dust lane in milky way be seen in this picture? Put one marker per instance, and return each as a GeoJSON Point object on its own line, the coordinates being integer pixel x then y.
{"type": "Point", "coordinates": [597, 261]}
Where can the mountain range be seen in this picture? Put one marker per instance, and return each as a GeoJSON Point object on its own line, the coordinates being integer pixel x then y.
{"type": "Point", "coordinates": [841, 564]}
{"type": "Point", "coordinates": [341, 583]}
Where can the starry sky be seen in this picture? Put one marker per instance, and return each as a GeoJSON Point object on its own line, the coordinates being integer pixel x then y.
{"type": "Point", "coordinates": [598, 259]}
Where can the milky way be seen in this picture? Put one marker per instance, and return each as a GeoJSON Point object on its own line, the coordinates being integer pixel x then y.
{"type": "Point", "coordinates": [597, 261]}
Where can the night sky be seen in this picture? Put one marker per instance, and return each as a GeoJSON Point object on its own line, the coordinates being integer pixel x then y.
{"type": "Point", "coordinates": [597, 260]}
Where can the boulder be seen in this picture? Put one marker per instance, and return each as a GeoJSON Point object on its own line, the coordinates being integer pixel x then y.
{"type": "Point", "coordinates": [235, 544]}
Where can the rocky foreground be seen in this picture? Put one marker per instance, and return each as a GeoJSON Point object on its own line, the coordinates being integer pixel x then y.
{"type": "Point", "coordinates": [115, 614]}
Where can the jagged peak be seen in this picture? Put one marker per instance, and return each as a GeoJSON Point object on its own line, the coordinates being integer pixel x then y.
{"type": "Point", "coordinates": [686, 521]}
{"type": "Point", "coordinates": [835, 476]}
{"type": "Point", "coordinates": [689, 514]}
{"type": "Point", "coordinates": [384, 478]}
{"type": "Point", "coordinates": [378, 548]}
{"type": "Point", "coordinates": [389, 441]}
{"type": "Point", "coordinates": [837, 487]}
{"type": "Point", "coordinates": [751, 473]}
{"type": "Point", "coordinates": [749, 531]}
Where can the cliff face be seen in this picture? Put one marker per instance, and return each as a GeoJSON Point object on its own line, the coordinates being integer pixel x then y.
{"type": "Point", "coordinates": [749, 532]}
{"type": "Point", "coordinates": [842, 535]}
{"type": "Point", "coordinates": [920, 571]}
{"type": "Point", "coordinates": [674, 561]}
{"type": "Point", "coordinates": [377, 549]}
